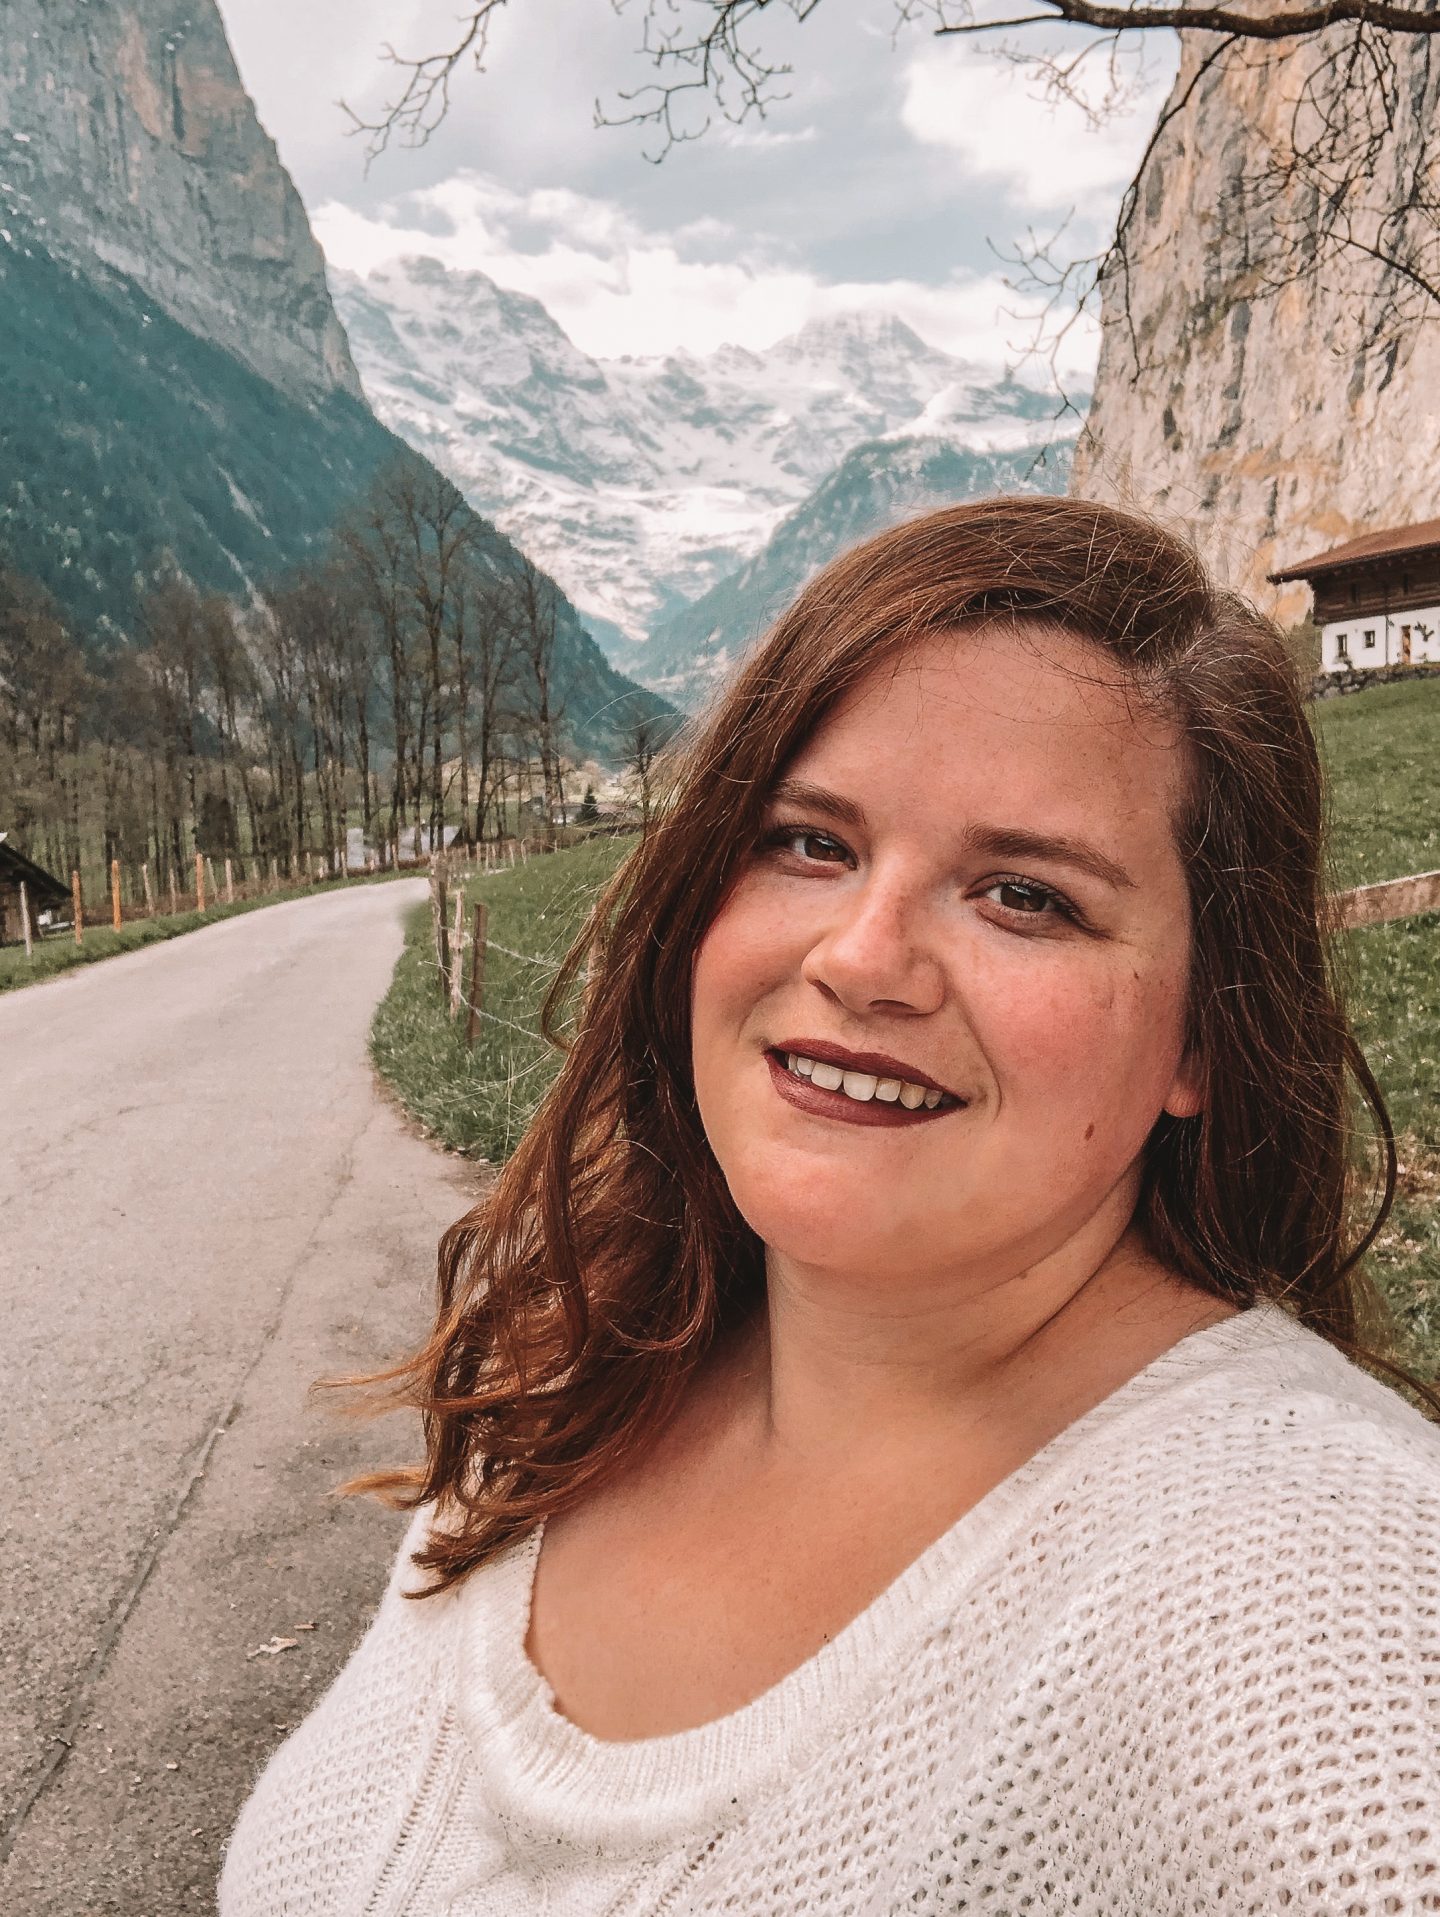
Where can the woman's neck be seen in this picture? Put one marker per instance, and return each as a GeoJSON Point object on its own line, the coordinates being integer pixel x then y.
{"type": "Point", "coordinates": [835, 1360]}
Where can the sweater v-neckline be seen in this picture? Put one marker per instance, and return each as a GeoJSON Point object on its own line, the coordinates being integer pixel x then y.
{"type": "Point", "coordinates": [558, 1785]}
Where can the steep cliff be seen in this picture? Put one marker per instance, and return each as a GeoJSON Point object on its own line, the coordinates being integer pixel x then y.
{"type": "Point", "coordinates": [129, 141]}
{"type": "Point", "coordinates": [1272, 422]}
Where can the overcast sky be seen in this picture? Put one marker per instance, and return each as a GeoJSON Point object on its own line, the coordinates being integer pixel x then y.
{"type": "Point", "coordinates": [887, 181]}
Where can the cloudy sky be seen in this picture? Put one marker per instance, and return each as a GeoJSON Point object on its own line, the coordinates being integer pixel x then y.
{"type": "Point", "coordinates": [891, 178]}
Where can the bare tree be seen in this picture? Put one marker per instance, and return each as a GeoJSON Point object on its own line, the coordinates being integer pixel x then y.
{"type": "Point", "coordinates": [536, 606]}
{"type": "Point", "coordinates": [642, 749]}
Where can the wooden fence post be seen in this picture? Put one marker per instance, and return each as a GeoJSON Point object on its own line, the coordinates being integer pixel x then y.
{"type": "Point", "coordinates": [77, 905]}
{"type": "Point", "coordinates": [145, 886]}
{"type": "Point", "coordinates": [25, 921]}
{"type": "Point", "coordinates": [457, 953]}
{"type": "Point", "coordinates": [115, 893]}
{"type": "Point", "coordinates": [477, 976]}
{"type": "Point", "coordinates": [438, 902]}
{"type": "Point", "coordinates": [199, 882]}
{"type": "Point", "coordinates": [274, 875]}
{"type": "Point", "coordinates": [229, 883]}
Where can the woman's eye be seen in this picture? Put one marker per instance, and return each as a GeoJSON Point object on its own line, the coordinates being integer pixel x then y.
{"type": "Point", "coordinates": [1027, 899]}
{"type": "Point", "coordinates": [806, 842]}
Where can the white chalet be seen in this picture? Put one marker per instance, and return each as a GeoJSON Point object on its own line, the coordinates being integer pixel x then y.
{"type": "Point", "coordinates": [1377, 598]}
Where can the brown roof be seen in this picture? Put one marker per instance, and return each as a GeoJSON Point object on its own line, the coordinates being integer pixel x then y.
{"type": "Point", "coordinates": [1376, 545]}
{"type": "Point", "coordinates": [15, 865]}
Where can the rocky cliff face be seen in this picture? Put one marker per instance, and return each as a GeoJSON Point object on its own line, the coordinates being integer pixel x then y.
{"type": "Point", "coordinates": [128, 141]}
{"type": "Point", "coordinates": [1272, 424]}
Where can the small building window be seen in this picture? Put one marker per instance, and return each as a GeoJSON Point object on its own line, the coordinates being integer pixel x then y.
{"type": "Point", "coordinates": [1354, 592]}
{"type": "Point", "coordinates": [1370, 641]}
{"type": "Point", "coordinates": [1342, 645]}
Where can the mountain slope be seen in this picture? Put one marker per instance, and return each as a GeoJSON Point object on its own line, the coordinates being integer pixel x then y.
{"type": "Point", "coordinates": [173, 378]}
{"type": "Point", "coordinates": [643, 482]}
{"type": "Point", "coordinates": [874, 486]}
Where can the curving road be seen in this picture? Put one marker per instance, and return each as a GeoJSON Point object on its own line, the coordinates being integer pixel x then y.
{"type": "Point", "coordinates": [204, 1204]}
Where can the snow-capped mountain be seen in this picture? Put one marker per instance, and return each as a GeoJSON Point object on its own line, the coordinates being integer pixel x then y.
{"type": "Point", "coordinates": [875, 485]}
{"type": "Point", "coordinates": [642, 483]}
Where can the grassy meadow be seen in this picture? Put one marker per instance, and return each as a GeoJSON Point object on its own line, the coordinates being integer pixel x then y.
{"type": "Point", "coordinates": [1380, 748]}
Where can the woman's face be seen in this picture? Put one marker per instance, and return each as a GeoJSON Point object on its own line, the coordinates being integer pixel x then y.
{"type": "Point", "coordinates": [968, 882]}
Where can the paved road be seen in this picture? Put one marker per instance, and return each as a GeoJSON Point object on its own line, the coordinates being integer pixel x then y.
{"type": "Point", "coordinates": [204, 1204]}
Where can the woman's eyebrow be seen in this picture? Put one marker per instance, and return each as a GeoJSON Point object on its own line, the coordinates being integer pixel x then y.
{"type": "Point", "coordinates": [987, 841]}
{"type": "Point", "coordinates": [1015, 842]}
{"type": "Point", "coordinates": [800, 792]}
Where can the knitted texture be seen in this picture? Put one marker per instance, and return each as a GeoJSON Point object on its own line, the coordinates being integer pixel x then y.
{"type": "Point", "coordinates": [1185, 1661]}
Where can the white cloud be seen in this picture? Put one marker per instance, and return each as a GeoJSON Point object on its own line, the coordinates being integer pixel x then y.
{"type": "Point", "coordinates": [1046, 154]}
{"type": "Point", "coordinates": [617, 288]}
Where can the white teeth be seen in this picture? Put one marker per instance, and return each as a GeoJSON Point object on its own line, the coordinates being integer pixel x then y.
{"type": "Point", "coordinates": [863, 1086]}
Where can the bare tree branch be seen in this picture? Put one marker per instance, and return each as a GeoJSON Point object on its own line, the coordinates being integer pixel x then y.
{"type": "Point", "coordinates": [1283, 23]}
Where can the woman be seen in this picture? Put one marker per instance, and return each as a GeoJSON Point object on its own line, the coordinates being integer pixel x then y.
{"type": "Point", "coordinates": [894, 1439]}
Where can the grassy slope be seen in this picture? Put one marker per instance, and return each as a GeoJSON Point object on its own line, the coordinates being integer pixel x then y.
{"type": "Point", "coordinates": [1380, 748]}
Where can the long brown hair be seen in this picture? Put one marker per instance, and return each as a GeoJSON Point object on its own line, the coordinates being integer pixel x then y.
{"type": "Point", "coordinates": [577, 1297]}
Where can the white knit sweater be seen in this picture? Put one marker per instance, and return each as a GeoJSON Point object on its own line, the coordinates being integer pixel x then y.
{"type": "Point", "coordinates": [1186, 1660]}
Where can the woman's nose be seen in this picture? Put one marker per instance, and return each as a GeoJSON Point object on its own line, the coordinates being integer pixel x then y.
{"type": "Point", "coordinates": [877, 953]}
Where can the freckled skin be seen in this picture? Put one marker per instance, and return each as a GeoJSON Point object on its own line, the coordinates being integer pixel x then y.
{"type": "Point", "coordinates": [1066, 1042]}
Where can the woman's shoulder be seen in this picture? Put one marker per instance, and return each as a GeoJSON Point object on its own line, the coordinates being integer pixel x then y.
{"type": "Point", "coordinates": [1257, 1632]}
{"type": "Point", "coordinates": [330, 1793]}
{"type": "Point", "coordinates": [1261, 1389]}
{"type": "Point", "coordinates": [1271, 1473]}
{"type": "Point", "coordinates": [1268, 1492]}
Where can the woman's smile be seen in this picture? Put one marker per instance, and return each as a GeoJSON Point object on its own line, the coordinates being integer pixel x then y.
{"type": "Point", "coordinates": [827, 1089]}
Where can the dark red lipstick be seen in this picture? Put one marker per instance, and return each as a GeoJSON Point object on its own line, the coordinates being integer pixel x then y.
{"type": "Point", "coordinates": [820, 1103]}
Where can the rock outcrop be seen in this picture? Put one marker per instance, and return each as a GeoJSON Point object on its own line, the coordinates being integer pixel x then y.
{"type": "Point", "coordinates": [1269, 422]}
{"type": "Point", "coordinates": [127, 139]}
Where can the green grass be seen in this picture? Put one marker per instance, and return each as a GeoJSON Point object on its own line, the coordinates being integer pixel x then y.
{"type": "Point", "coordinates": [58, 952]}
{"type": "Point", "coordinates": [1380, 749]}
{"type": "Point", "coordinates": [479, 1102]}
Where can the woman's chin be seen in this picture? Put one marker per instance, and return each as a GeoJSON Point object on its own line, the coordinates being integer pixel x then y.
{"type": "Point", "coordinates": [834, 1236]}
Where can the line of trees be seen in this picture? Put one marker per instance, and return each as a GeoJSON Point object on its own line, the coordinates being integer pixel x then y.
{"type": "Point", "coordinates": [406, 680]}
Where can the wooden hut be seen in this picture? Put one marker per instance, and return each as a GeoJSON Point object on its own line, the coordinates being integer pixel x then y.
{"type": "Point", "coordinates": [43, 892]}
